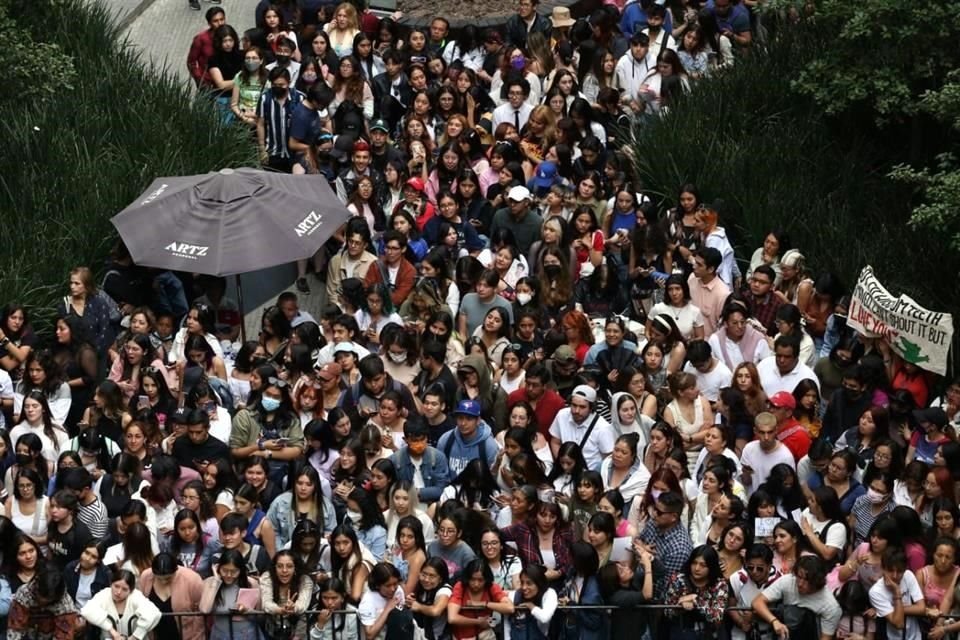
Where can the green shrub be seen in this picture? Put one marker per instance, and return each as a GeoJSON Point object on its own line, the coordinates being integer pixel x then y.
{"type": "Point", "coordinates": [79, 155]}
{"type": "Point", "coordinates": [748, 137]}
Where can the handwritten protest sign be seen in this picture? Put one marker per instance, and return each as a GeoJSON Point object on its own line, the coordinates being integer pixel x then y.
{"type": "Point", "coordinates": [917, 335]}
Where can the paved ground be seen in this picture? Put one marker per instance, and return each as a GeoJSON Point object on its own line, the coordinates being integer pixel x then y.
{"type": "Point", "coordinates": [164, 29]}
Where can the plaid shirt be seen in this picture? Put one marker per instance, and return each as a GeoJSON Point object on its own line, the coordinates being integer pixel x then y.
{"type": "Point", "coordinates": [765, 311]}
{"type": "Point", "coordinates": [672, 548]}
{"type": "Point", "coordinates": [528, 545]}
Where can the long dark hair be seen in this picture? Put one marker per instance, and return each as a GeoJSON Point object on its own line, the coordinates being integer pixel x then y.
{"type": "Point", "coordinates": [234, 557]}
{"type": "Point", "coordinates": [295, 580]}
{"type": "Point", "coordinates": [175, 541]}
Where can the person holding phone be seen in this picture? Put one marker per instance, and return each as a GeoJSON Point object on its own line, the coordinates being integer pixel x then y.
{"type": "Point", "coordinates": [222, 595]}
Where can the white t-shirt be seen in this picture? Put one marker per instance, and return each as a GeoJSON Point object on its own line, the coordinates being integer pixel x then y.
{"type": "Point", "coordinates": [372, 604]}
{"type": "Point", "coordinates": [711, 382]}
{"type": "Point", "coordinates": [6, 391]}
{"type": "Point", "coordinates": [598, 445]}
{"type": "Point", "coordinates": [762, 462]}
{"type": "Point", "coordinates": [882, 600]}
{"type": "Point", "coordinates": [742, 592]}
{"type": "Point", "coordinates": [773, 381]}
{"type": "Point", "coordinates": [836, 534]}
{"type": "Point", "coordinates": [821, 602]}
{"type": "Point", "coordinates": [687, 318]}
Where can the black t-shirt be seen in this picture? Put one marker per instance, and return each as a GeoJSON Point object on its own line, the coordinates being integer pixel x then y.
{"type": "Point", "coordinates": [186, 453]}
{"type": "Point", "coordinates": [446, 378]}
{"type": "Point", "coordinates": [66, 547]}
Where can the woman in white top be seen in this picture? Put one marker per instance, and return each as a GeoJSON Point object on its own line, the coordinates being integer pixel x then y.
{"type": "Point", "coordinates": [689, 413]}
{"type": "Point", "coordinates": [41, 375]}
{"type": "Point", "coordinates": [623, 470]}
{"type": "Point", "coordinates": [404, 501]}
{"type": "Point", "coordinates": [200, 321]}
{"type": "Point", "coordinates": [343, 29]}
{"type": "Point", "coordinates": [377, 313]}
{"type": "Point", "coordinates": [512, 373]}
{"type": "Point", "coordinates": [28, 505]}
{"type": "Point", "coordinates": [38, 420]}
{"type": "Point", "coordinates": [121, 610]}
{"type": "Point", "coordinates": [494, 333]}
{"type": "Point", "coordinates": [676, 304]}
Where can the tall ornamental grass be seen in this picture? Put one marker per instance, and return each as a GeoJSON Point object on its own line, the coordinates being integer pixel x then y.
{"type": "Point", "coordinates": [777, 161]}
{"type": "Point", "coordinates": [74, 159]}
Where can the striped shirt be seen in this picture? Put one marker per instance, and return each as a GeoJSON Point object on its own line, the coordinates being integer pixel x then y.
{"type": "Point", "coordinates": [276, 121]}
{"type": "Point", "coordinates": [94, 515]}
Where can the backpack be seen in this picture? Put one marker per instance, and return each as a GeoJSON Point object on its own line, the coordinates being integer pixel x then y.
{"type": "Point", "coordinates": [399, 624]}
{"type": "Point", "coordinates": [800, 621]}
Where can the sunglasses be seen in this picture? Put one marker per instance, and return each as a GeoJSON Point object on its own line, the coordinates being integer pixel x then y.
{"type": "Point", "coordinates": [277, 382]}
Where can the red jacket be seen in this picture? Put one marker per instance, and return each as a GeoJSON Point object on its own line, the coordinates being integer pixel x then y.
{"type": "Point", "coordinates": [795, 437]}
{"type": "Point", "coordinates": [406, 278]}
{"type": "Point", "coordinates": [201, 50]}
{"type": "Point", "coordinates": [546, 410]}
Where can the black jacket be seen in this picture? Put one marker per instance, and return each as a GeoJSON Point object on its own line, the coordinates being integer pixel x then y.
{"type": "Point", "coordinates": [517, 29]}
{"type": "Point", "coordinates": [71, 576]}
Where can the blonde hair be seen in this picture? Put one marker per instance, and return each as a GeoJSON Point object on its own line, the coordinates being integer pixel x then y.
{"type": "Point", "coordinates": [351, 12]}
{"type": "Point", "coordinates": [543, 112]}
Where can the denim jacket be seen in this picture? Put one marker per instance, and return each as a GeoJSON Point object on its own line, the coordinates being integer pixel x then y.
{"type": "Point", "coordinates": [284, 520]}
{"type": "Point", "coordinates": [434, 469]}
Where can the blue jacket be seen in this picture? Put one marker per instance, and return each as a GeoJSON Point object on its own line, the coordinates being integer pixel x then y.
{"type": "Point", "coordinates": [283, 519]}
{"type": "Point", "coordinates": [587, 624]}
{"type": "Point", "coordinates": [434, 469]}
{"type": "Point", "coordinates": [459, 452]}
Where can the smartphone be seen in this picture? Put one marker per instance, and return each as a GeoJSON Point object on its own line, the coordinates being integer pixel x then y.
{"type": "Point", "coordinates": [143, 402]}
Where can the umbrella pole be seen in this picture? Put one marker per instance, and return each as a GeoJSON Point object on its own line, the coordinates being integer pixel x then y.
{"type": "Point", "coordinates": [243, 316]}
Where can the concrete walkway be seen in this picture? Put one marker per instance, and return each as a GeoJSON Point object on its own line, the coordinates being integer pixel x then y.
{"type": "Point", "coordinates": [163, 30]}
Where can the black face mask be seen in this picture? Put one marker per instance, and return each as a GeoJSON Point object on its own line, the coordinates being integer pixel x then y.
{"type": "Point", "coordinates": [278, 92]}
{"type": "Point", "coordinates": [282, 60]}
{"type": "Point", "coordinates": [552, 270]}
{"type": "Point", "coordinates": [850, 394]}
{"type": "Point", "coordinates": [23, 459]}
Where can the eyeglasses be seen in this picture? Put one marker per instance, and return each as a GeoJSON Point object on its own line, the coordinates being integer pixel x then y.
{"type": "Point", "coordinates": [755, 567]}
{"type": "Point", "coordinates": [393, 247]}
{"type": "Point", "coordinates": [447, 532]}
{"type": "Point", "coordinates": [490, 543]}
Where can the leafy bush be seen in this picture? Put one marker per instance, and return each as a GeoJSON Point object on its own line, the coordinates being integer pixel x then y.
{"type": "Point", "coordinates": [77, 155]}
{"type": "Point", "coordinates": [750, 137]}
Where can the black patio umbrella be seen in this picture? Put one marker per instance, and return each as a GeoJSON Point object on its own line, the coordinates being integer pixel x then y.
{"type": "Point", "coordinates": [230, 222]}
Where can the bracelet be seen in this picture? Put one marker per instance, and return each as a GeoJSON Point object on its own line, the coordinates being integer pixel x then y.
{"type": "Point", "coordinates": [4, 342]}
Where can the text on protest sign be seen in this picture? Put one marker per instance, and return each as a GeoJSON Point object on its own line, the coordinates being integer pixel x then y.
{"type": "Point", "coordinates": [919, 336]}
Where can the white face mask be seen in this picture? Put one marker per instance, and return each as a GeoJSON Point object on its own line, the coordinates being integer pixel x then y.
{"type": "Point", "coordinates": [524, 298]}
{"type": "Point", "coordinates": [655, 494]}
{"type": "Point", "coordinates": [398, 358]}
{"type": "Point", "coordinates": [354, 516]}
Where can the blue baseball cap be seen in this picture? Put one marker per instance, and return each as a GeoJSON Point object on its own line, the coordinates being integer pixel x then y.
{"type": "Point", "coordinates": [546, 174]}
{"type": "Point", "coordinates": [468, 408]}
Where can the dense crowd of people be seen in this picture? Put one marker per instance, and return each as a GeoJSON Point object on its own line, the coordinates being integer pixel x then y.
{"type": "Point", "coordinates": [534, 399]}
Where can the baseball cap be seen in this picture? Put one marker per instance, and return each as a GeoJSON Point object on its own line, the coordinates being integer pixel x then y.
{"type": "Point", "coordinates": [546, 173]}
{"type": "Point", "coordinates": [379, 125]}
{"type": "Point", "coordinates": [468, 408]}
{"type": "Point", "coordinates": [345, 347]}
{"type": "Point", "coordinates": [416, 183]}
{"type": "Point", "coordinates": [565, 353]}
{"type": "Point", "coordinates": [329, 371]}
{"type": "Point", "coordinates": [518, 194]}
{"type": "Point", "coordinates": [933, 415]}
{"type": "Point", "coordinates": [783, 400]}
{"type": "Point", "coordinates": [586, 392]}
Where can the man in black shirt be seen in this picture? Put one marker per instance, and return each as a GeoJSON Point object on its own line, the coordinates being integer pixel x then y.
{"type": "Point", "coordinates": [233, 528]}
{"type": "Point", "coordinates": [433, 370]}
{"type": "Point", "coordinates": [197, 447]}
